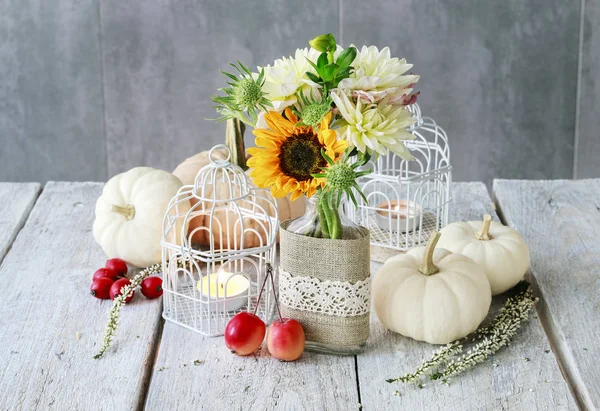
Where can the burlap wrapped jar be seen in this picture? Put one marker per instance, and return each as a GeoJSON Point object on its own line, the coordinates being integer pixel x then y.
{"type": "Point", "coordinates": [325, 285]}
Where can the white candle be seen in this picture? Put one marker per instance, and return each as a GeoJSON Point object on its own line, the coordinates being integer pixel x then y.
{"type": "Point", "coordinates": [390, 211]}
{"type": "Point", "coordinates": [224, 288]}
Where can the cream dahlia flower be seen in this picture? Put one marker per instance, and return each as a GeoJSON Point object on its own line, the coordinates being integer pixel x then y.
{"type": "Point", "coordinates": [377, 75]}
{"type": "Point", "coordinates": [286, 77]}
{"type": "Point", "coordinates": [376, 128]}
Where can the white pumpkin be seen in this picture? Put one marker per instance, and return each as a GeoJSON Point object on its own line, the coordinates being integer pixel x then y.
{"type": "Point", "coordinates": [130, 212]}
{"type": "Point", "coordinates": [431, 294]}
{"type": "Point", "coordinates": [500, 250]}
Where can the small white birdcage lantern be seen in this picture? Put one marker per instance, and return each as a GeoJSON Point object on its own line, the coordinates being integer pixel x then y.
{"type": "Point", "coordinates": [408, 199]}
{"type": "Point", "coordinates": [218, 237]}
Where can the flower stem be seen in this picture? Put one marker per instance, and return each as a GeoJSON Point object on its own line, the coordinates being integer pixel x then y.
{"type": "Point", "coordinates": [234, 139]}
{"type": "Point", "coordinates": [323, 220]}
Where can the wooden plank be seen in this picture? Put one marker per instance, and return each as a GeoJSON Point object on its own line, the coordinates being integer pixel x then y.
{"type": "Point", "coordinates": [16, 201]}
{"type": "Point", "coordinates": [515, 383]}
{"type": "Point", "coordinates": [587, 140]}
{"type": "Point", "coordinates": [561, 220]}
{"type": "Point", "coordinates": [46, 305]}
{"type": "Point", "coordinates": [224, 381]}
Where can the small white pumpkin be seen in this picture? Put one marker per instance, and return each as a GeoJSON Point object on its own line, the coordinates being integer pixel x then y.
{"type": "Point", "coordinates": [130, 212]}
{"type": "Point", "coordinates": [500, 250]}
{"type": "Point", "coordinates": [431, 294]}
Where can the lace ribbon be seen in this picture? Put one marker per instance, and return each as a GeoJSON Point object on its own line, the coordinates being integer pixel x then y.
{"type": "Point", "coordinates": [337, 298]}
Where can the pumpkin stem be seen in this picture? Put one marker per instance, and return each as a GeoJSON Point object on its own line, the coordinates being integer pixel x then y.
{"type": "Point", "coordinates": [427, 267]}
{"type": "Point", "coordinates": [234, 139]}
{"type": "Point", "coordinates": [484, 233]}
{"type": "Point", "coordinates": [127, 211]}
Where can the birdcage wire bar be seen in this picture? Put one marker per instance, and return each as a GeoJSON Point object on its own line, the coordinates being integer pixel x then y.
{"type": "Point", "coordinates": [237, 226]}
{"type": "Point", "coordinates": [408, 199]}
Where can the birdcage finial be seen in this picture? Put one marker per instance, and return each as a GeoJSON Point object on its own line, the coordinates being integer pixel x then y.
{"type": "Point", "coordinates": [216, 161]}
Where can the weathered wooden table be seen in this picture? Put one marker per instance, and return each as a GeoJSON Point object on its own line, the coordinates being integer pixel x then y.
{"type": "Point", "coordinates": [50, 327]}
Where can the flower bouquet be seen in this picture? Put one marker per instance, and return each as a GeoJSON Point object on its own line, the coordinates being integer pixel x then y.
{"type": "Point", "coordinates": [319, 117]}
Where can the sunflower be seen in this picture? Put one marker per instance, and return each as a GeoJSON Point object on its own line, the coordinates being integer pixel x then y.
{"type": "Point", "coordinates": [288, 154]}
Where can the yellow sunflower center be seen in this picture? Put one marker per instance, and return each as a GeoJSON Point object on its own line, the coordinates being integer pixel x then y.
{"type": "Point", "coordinates": [300, 156]}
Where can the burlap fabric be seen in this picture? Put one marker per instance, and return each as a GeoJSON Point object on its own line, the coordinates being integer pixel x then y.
{"type": "Point", "coordinates": [334, 260]}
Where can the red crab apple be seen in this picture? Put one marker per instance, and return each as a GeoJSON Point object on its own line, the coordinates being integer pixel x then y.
{"type": "Point", "coordinates": [244, 333]}
{"type": "Point", "coordinates": [285, 339]}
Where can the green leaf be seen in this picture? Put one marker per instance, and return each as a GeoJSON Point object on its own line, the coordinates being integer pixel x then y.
{"type": "Point", "coordinates": [351, 196]}
{"type": "Point", "coordinates": [322, 61]}
{"type": "Point", "coordinates": [363, 173]}
{"type": "Point", "coordinates": [343, 73]}
{"type": "Point", "coordinates": [231, 76]}
{"type": "Point", "coordinates": [319, 175]}
{"type": "Point", "coordinates": [326, 157]}
{"type": "Point", "coordinates": [313, 77]}
{"type": "Point", "coordinates": [328, 72]}
{"type": "Point", "coordinates": [346, 57]}
{"type": "Point", "coordinates": [357, 187]}
{"type": "Point", "coordinates": [261, 77]}
{"type": "Point", "coordinates": [245, 68]}
{"type": "Point", "coordinates": [312, 64]}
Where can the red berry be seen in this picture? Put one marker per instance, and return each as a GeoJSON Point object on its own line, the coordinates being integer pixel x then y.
{"type": "Point", "coordinates": [115, 289]}
{"type": "Point", "coordinates": [117, 265]}
{"type": "Point", "coordinates": [152, 287]}
{"type": "Point", "coordinates": [244, 333]}
{"type": "Point", "coordinates": [100, 288]}
{"type": "Point", "coordinates": [105, 273]}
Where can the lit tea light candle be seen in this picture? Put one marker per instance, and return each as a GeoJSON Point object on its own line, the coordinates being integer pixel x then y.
{"type": "Point", "coordinates": [398, 214]}
{"type": "Point", "coordinates": [224, 288]}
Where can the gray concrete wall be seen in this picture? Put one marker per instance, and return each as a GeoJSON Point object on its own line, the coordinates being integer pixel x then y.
{"type": "Point", "coordinates": [90, 88]}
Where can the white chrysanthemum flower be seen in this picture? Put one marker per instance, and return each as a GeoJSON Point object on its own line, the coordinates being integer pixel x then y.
{"type": "Point", "coordinates": [377, 128]}
{"type": "Point", "coordinates": [287, 76]}
{"type": "Point", "coordinates": [378, 75]}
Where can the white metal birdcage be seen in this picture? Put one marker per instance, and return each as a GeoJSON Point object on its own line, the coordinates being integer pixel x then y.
{"type": "Point", "coordinates": [408, 199]}
{"type": "Point", "coordinates": [218, 236]}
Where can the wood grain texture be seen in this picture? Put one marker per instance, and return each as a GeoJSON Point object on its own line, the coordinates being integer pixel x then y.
{"type": "Point", "coordinates": [588, 141]}
{"type": "Point", "coordinates": [46, 277]}
{"type": "Point", "coordinates": [485, 77]}
{"type": "Point", "coordinates": [51, 113]}
{"type": "Point", "coordinates": [560, 220]}
{"type": "Point", "coordinates": [224, 381]}
{"type": "Point", "coordinates": [526, 377]}
{"type": "Point", "coordinates": [161, 62]}
{"type": "Point", "coordinates": [16, 201]}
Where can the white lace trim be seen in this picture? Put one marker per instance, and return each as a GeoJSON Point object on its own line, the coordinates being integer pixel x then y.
{"type": "Point", "coordinates": [336, 298]}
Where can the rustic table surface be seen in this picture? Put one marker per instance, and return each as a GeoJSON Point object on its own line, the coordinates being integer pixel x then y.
{"type": "Point", "coordinates": [50, 327]}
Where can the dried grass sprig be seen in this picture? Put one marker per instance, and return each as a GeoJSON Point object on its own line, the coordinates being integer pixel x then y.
{"type": "Point", "coordinates": [119, 302]}
{"type": "Point", "coordinates": [490, 339]}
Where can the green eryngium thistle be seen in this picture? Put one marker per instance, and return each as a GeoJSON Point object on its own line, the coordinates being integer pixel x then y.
{"type": "Point", "coordinates": [341, 176]}
{"type": "Point", "coordinates": [313, 111]}
{"type": "Point", "coordinates": [244, 97]}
